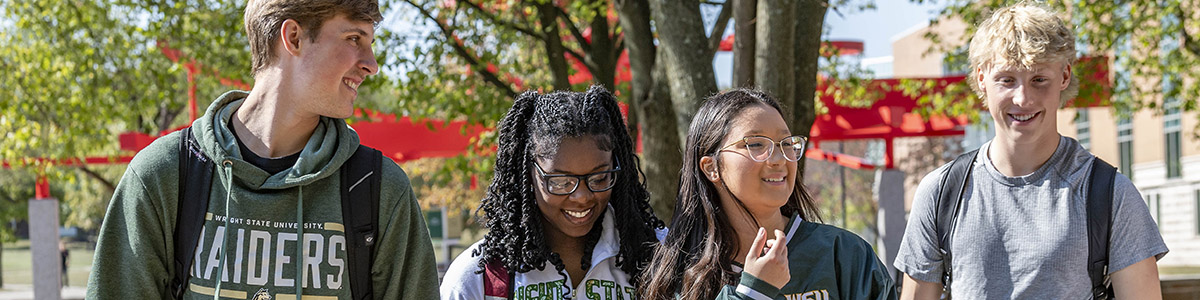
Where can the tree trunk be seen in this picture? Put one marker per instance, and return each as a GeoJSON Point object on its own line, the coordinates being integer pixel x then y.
{"type": "Point", "coordinates": [774, 71]}
{"type": "Point", "coordinates": [744, 15]}
{"type": "Point", "coordinates": [651, 107]}
{"type": "Point", "coordinates": [555, 53]}
{"type": "Point", "coordinates": [682, 37]}
{"type": "Point", "coordinates": [810, 19]}
{"type": "Point", "coordinates": [603, 53]}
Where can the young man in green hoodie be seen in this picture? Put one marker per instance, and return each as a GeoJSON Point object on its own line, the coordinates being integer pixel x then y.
{"type": "Point", "coordinates": [274, 225]}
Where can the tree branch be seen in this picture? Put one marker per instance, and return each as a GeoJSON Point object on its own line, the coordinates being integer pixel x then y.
{"type": "Point", "coordinates": [579, 38]}
{"type": "Point", "coordinates": [107, 183]}
{"type": "Point", "coordinates": [577, 55]}
{"type": "Point", "coordinates": [462, 52]}
{"type": "Point", "coordinates": [718, 32]}
{"type": "Point", "coordinates": [571, 26]}
{"type": "Point", "coordinates": [497, 20]}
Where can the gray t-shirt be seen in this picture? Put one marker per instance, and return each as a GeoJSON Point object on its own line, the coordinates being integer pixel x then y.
{"type": "Point", "coordinates": [1025, 237]}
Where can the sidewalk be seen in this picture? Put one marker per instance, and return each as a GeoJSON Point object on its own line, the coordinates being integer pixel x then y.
{"type": "Point", "coordinates": [25, 292]}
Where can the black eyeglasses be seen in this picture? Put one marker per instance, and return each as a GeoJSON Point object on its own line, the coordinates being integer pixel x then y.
{"type": "Point", "coordinates": [761, 148]}
{"type": "Point", "coordinates": [563, 184]}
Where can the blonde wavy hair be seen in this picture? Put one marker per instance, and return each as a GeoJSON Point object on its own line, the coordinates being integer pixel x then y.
{"type": "Point", "coordinates": [264, 17]}
{"type": "Point", "coordinates": [1022, 35]}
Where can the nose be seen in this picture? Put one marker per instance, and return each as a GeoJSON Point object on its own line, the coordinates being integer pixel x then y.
{"type": "Point", "coordinates": [1020, 98]}
{"type": "Point", "coordinates": [368, 63]}
{"type": "Point", "coordinates": [777, 156]}
{"type": "Point", "coordinates": [582, 193]}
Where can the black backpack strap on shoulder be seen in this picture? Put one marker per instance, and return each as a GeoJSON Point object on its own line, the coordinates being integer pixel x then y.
{"type": "Point", "coordinates": [361, 177]}
{"type": "Point", "coordinates": [195, 185]}
{"type": "Point", "coordinates": [949, 201]}
{"type": "Point", "coordinates": [1099, 225]}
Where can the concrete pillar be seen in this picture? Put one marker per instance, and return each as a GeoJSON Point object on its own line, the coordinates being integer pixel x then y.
{"type": "Point", "coordinates": [43, 238]}
{"type": "Point", "coordinates": [889, 192]}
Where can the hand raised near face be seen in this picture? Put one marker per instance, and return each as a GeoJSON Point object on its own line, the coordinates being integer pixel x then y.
{"type": "Point", "coordinates": [768, 259]}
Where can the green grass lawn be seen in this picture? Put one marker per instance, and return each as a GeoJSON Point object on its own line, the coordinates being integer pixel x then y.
{"type": "Point", "coordinates": [17, 263]}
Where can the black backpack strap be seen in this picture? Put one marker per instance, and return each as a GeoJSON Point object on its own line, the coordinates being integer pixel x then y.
{"type": "Point", "coordinates": [361, 176]}
{"type": "Point", "coordinates": [949, 201]}
{"type": "Point", "coordinates": [1099, 223]}
{"type": "Point", "coordinates": [195, 185]}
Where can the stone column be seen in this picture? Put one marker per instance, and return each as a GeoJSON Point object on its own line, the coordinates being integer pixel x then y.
{"type": "Point", "coordinates": [43, 238]}
{"type": "Point", "coordinates": [889, 191]}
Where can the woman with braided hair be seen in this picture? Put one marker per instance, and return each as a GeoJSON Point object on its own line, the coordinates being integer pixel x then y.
{"type": "Point", "coordinates": [744, 225]}
{"type": "Point", "coordinates": [567, 212]}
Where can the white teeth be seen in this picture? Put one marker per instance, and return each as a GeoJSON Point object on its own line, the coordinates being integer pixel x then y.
{"type": "Point", "coordinates": [1023, 118]}
{"type": "Point", "coordinates": [578, 214]}
{"type": "Point", "coordinates": [780, 179]}
{"type": "Point", "coordinates": [352, 84]}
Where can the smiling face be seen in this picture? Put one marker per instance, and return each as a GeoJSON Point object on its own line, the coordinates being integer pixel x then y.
{"type": "Point", "coordinates": [1024, 102]}
{"type": "Point", "coordinates": [572, 216]}
{"type": "Point", "coordinates": [331, 68]}
{"type": "Point", "coordinates": [763, 187]}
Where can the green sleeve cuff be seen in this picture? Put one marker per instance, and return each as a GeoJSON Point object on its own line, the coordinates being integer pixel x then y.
{"type": "Point", "coordinates": [755, 288]}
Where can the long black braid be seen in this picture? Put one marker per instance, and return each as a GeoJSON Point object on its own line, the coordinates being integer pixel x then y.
{"type": "Point", "coordinates": [533, 128]}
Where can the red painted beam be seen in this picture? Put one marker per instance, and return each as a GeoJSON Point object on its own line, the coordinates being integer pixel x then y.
{"type": "Point", "coordinates": [42, 188]}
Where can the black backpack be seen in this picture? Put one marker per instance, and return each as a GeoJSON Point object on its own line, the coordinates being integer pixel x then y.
{"type": "Point", "coordinates": [360, 211]}
{"type": "Point", "coordinates": [1099, 218]}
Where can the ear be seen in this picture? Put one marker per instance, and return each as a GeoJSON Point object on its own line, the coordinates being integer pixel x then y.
{"type": "Point", "coordinates": [290, 34]}
{"type": "Point", "coordinates": [1067, 73]}
{"type": "Point", "coordinates": [708, 165]}
{"type": "Point", "coordinates": [979, 79]}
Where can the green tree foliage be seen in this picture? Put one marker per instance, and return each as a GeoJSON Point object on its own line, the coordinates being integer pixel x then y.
{"type": "Point", "coordinates": [1148, 44]}
{"type": "Point", "coordinates": [77, 73]}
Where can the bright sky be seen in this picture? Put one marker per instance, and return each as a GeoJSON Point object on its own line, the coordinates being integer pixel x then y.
{"type": "Point", "coordinates": [876, 28]}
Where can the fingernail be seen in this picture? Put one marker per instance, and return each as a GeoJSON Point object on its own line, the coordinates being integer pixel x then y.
{"type": "Point", "coordinates": [762, 231]}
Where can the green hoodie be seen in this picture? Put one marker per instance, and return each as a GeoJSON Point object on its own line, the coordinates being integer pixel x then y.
{"type": "Point", "coordinates": [253, 215]}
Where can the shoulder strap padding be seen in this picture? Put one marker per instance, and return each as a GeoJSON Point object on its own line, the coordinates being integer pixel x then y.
{"type": "Point", "coordinates": [1099, 225]}
{"type": "Point", "coordinates": [195, 185]}
{"type": "Point", "coordinates": [361, 177]}
{"type": "Point", "coordinates": [949, 201]}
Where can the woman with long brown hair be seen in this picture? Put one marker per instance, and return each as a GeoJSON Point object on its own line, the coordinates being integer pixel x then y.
{"type": "Point", "coordinates": [739, 187]}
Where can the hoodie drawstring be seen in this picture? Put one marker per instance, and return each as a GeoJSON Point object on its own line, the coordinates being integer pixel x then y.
{"type": "Point", "coordinates": [225, 234]}
{"type": "Point", "coordinates": [300, 245]}
{"type": "Point", "coordinates": [300, 250]}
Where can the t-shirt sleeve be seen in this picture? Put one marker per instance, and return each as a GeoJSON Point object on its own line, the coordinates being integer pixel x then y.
{"type": "Point", "coordinates": [1134, 235]}
{"type": "Point", "coordinates": [461, 281]}
{"type": "Point", "coordinates": [919, 254]}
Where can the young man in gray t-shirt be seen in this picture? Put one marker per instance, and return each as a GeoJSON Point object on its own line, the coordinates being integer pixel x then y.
{"type": "Point", "coordinates": [1022, 230]}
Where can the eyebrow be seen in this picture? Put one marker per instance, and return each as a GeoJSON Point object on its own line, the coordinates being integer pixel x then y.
{"type": "Point", "coordinates": [760, 132]}
{"type": "Point", "coordinates": [598, 168]}
{"type": "Point", "coordinates": [360, 32]}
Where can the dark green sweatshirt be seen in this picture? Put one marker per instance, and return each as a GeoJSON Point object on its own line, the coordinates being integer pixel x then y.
{"type": "Point", "coordinates": [825, 263]}
{"type": "Point", "coordinates": [278, 231]}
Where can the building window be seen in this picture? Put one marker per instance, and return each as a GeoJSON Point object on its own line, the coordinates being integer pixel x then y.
{"type": "Point", "coordinates": [1152, 201]}
{"type": "Point", "coordinates": [1171, 103]}
{"type": "Point", "coordinates": [1081, 128]}
{"type": "Point", "coordinates": [1125, 146]}
{"type": "Point", "coordinates": [1158, 209]}
{"type": "Point", "coordinates": [1171, 129]}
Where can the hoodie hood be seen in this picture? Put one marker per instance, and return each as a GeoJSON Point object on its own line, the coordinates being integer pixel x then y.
{"type": "Point", "coordinates": [331, 144]}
